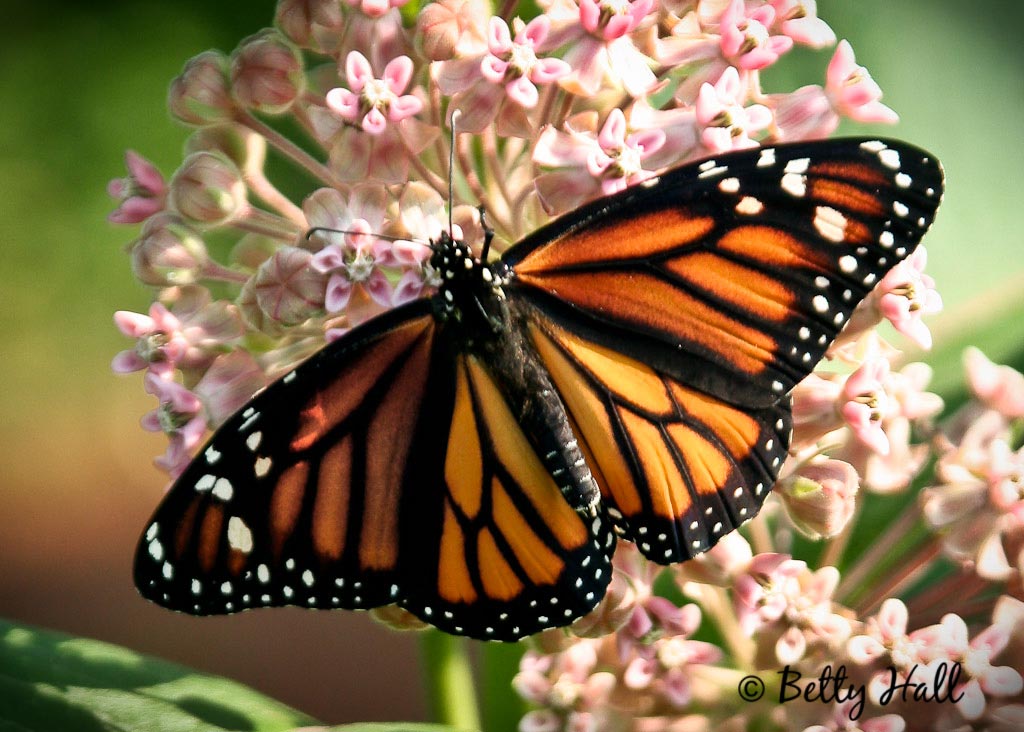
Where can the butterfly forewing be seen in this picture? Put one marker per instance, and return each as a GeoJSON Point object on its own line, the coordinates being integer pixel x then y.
{"type": "Point", "coordinates": [735, 275]}
{"type": "Point", "coordinates": [386, 469]}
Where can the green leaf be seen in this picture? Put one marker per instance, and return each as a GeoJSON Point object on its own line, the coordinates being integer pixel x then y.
{"type": "Point", "coordinates": [51, 681]}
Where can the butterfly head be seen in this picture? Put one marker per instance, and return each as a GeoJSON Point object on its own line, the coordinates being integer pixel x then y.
{"type": "Point", "coordinates": [470, 291]}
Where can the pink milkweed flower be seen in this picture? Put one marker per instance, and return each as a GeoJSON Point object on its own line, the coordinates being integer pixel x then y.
{"type": "Point", "coordinates": [188, 335]}
{"type": "Point", "coordinates": [228, 384]}
{"type": "Point", "coordinates": [745, 37]}
{"type": "Point", "coordinates": [867, 404]}
{"type": "Point", "coordinates": [844, 712]}
{"type": "Point", "coordinates": [998, 387]}
{"type": "Point", "coordinates": [905, 295]}
{"type": "Point", "coordinates": [724, 122]}
{"type": "Point", "coordinates": [852, 91]}
{"type": "Point", "coordinates": [140, 194]}
{"type": "Point", "coordinates": [501, 83]}
{"type": "Point", "coordinates": [179, 416]}
{"type": "Point", "coordinates": [599, 47]}
{"type": "Point", "coordinates": [979, 500]}
{"type": "Point", "coordinates": [374, 102]}
{"type": "Point", "coordinates": [799, 20]}
{"type": "Point", "coordinates": [160, 343]}
{"type": "Point", "coordinates": [592, 164]}
{"type": "Point", "coordinates": [948, 641]}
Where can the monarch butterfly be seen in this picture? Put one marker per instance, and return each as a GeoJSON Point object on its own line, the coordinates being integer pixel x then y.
{"type": "Point", "coordinates": [622, 372]}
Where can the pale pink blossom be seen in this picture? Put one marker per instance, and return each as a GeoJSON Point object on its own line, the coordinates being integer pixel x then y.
{"type": "Point", "coordinates": [179, 416]}
{"type": "Point", "coordinates": [592, 164]}
{"type": "Point", "coordinates": [820, 497]}
{"type": "Point", "coordinates": [998, 387]}
{"type": "Point", "coordinates": [599, 47]}
{"type": "Point", "coordinates": [374, 102]}
{"type": "Point", "coordinates": [799, 20]}
{"type": "Point", "coordinates": [852, 91]}
{"type": "Point", "coordinates": [746, 40]}
{"type": "Point", "coordinates": [140, 194]}
{"type": "Point", "coordinates": [502, 83]}
{"type": "Point", "coordinates": [725, 123]}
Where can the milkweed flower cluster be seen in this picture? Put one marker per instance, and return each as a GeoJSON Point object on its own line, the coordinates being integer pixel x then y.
{"type": "Point", "coordinates": [255, 266]}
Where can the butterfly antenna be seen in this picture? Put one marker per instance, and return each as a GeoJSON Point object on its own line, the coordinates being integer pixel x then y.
{"type": "Point", "coordinates": [385, 237]}
{"type": "Point", "coordinates": [488, 233]}
{"type": "Point", "coordinates": [451, 174]}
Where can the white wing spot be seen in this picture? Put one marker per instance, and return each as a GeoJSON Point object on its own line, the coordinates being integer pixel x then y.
{"type": "Point", "coordinates": [263, 574]}
{"type": "Point", "coordinates": [767, 158]}
{"type": "Point", "coordinates": [820, 303]}
{"type": "Point", "coordinates": [890, 158]}
{"type": "Point", "coordinates": [873, 146]}
{"type": "Point", "coordinates": [288, 592]}
{"type": "Point", "coordinates": [707, 165]}
{"type": "Point", "coordinates": [225, 588]}
{"type": "Point", "coordinates": [749, 206]}
{"type": "Point", "coordinates": [197, 587]}
{"type": "Point", "coordinates": [212, 455]}
{"type": "Point", "coordinates": [307, 578]}
{"type": "Point", "coordinates": [712, 171]}
{"type": "Point", "coordinates": [795, 185]}
{"type": "Point", "coordinates": [253, 440]}
{"type": "Point", "coordinates": [716, 528]}
{"type": "Point", "coordinates": [729, 185]}
{"type": "Point", "coordinates": [903, 180]}
{"type": "Point", "coordinates": [839, 318]}
{"type": "Point", "coordinates": [151, 532]}
{"type": "Point", "coordinates": [821, 282]}
{"type": "Point", "coordinates": [156, 549]}
{"type": "Point", "coordinates": [900, 208]}
{"type": "Point", "coordinates": [262, 466]}
{"type": "Point", "coordinates": [223, 490]}
{"type": "Point", "coordinates": [289, 377]}
{"type": "Point", "coordinates": [167, 570]}
{"type": "Point", "coordinates": [776, 387]}
{"type": "Point", "coordinates": [848, 263]}
{"type": "Point", "coordinates": [290, 564]}
{"type": "Point", "coordinates": [797, 165]}
{"type": "Point", "coordinates": [831, 224]}
{"type": "Point", "coordinates": [239, 535]}
{"type": "Point", "coordinates": [804, 333]}
{"type": "Point", "coordinates": [206, 482]}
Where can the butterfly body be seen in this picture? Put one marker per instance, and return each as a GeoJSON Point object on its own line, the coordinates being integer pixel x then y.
{"type": "Point", "coordinates": [624, 370]}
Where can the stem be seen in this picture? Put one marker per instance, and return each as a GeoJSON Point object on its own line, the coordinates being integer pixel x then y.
{"type": "Point", "coordinates": [290, 150]}
{"type": "Point", "coordinates": [268, 193]}
{"type": "Point", "coordinates": [715, 604]}
{"type": "Point", "coordinates": [760, 537]}
{"type": "Point", "coordinates": [450, 680]}
{"type": "Point", "coordinates": [837, 545]}
{"type": "Point", "coordinates": [257, 221]}
{"type": "Point", "coordinates": [906, 573]}
{"type": "Point", "coordinates": [215, 271]}
{"type": "Point", "coordinates": [880, 548]}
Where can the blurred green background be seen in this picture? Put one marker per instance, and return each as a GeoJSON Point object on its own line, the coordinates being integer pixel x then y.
{"type": "Point", "coordinates": [80, 83]}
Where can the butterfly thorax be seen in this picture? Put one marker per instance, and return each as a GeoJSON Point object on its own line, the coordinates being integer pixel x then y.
{"type": "Point", "coordinates": [470, 295]}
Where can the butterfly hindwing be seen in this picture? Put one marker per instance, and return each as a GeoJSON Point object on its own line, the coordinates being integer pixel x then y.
{"type": "Point", "coordinates": [734, 275]}
{"type": "Point", "coordinates": [388, 468]}
{"type": "Point", "coordinates": [678, 468]}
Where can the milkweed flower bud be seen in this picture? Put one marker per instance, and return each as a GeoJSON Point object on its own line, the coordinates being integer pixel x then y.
{"type": "Point", "coordinates": [287, 289]}
{"type": "Point", "coordinates": [314, 24]}
{"type": "Point", "coordinates": [208, 189]}
{"type": "Point", "coordinates": [820, 498]}
{"type": "Point", "coordinates": [200, 95]}
{"type": "Point", "coordinates": [267, 74]}
{"type": "Point", "coordinates": [168, 252]}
